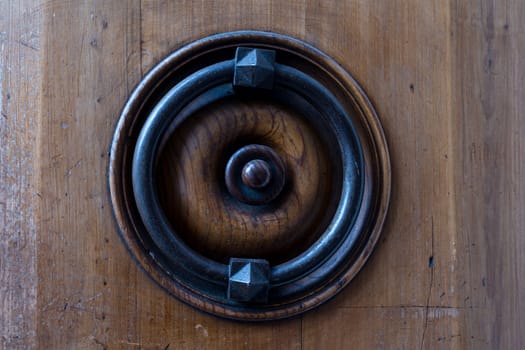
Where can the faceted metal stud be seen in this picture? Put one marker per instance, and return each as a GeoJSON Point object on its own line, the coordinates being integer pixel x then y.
{"type": "Point", "coordinates": [248, 280]}
{"type": "Point", "coordinates": [254, 68]}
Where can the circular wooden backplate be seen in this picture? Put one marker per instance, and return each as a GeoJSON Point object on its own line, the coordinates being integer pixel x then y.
{"type": "Point", "coordinates": [190, 174]}
{"type": "Point", "coordinates": [216, 224]}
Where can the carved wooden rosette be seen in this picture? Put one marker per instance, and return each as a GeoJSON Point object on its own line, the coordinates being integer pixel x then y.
{"type": "Point", "coordinates": [252, 177]}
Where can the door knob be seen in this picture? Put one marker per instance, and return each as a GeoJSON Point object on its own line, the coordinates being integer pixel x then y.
{"type": "Point", "coordinates": [255, 174]}
{"type": "Point", "coordinates": [249, 175]}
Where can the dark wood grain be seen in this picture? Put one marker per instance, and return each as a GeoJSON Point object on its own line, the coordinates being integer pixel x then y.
{"type": "Point", "coordinates": [193, 188]}
{"type": "Point", "coordinates": [447, 81]}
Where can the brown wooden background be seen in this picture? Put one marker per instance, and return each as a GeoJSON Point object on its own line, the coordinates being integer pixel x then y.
{"type": "Point", "coordinates": [447, 79]}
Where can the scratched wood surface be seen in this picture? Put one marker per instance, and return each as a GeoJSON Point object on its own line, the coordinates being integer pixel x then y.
{"type": "Point", "coordinates": [20, 97]}
{"type": "Point", "coordinates": [447, 80]}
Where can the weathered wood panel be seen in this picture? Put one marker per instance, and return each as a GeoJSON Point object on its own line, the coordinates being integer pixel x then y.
{"type": "Point", "coordinates": [447, 80]}
{"type": "Point", "coordinates": [20, 97]}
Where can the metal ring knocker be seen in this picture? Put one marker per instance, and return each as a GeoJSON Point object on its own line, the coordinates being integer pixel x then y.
{"type": "Point", "coordinates": [256, 175]}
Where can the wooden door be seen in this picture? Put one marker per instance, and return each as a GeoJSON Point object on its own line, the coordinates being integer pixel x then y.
{"type": "Point", "coordinates": [447, 80]}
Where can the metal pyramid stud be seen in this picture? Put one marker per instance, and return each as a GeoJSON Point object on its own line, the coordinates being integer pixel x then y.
{"type": "Point", "coordinates": [254, 68]}
{"type": "Point", "coordinates": [248, 280]}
